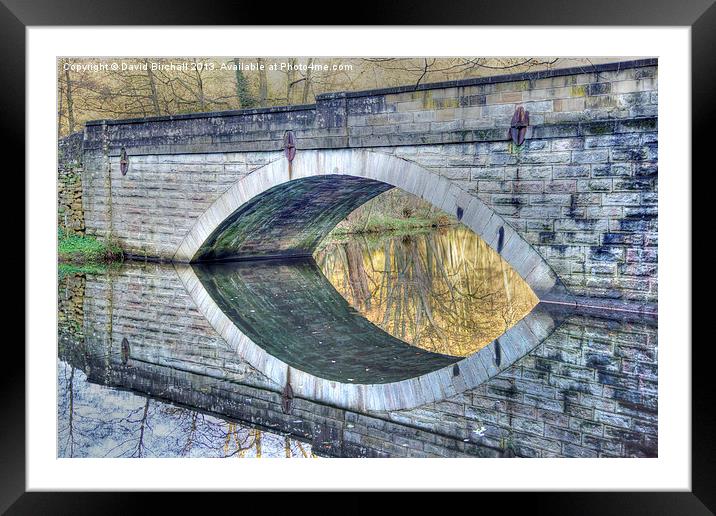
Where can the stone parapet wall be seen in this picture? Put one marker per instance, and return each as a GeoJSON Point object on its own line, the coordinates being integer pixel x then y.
{"type": "Point", "coordinates": [480, 110]}
{"type": "Point", "coordinates": [469, 110]}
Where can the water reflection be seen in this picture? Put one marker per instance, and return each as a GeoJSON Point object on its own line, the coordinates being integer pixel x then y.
{"type": "Point", "coordinates": [141, 372]}
{"type": "Point", "coordinates": [291, 311]}
{"type": "Point", "coordinates": [97, 421]}
{"type": "Point", "coordinates": [443, 291]}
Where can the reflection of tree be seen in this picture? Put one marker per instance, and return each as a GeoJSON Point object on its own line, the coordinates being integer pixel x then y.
{"type": "Point", "coordinates": [243, 441]}
{"type": "Point", "coordinates": [357, 276]}
{"type": "Point", "coordinates": [68, 400]}
{"type": "Point", "coordinates": [99, 421]}
{"type": "Point", "coordinates": [135, 429]}
{"type": "Point", "coordinates": [142, 425]}
{"type": "Point", "coordinates": [446, 291]}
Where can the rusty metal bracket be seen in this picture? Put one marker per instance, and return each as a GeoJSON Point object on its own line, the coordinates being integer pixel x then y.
{"type": "Point", "coordinates": [123, 161]}
{"type": "Point", "coordinates": [289, 148]}
{"type": "Point", "coordinates": [289, 145]}
{"type": "Point", "coordinates": [125, 350]}
{"type": "Point", "coordinates": [518, 127]}
{"type": "Point", "coordinates": [287, 394]}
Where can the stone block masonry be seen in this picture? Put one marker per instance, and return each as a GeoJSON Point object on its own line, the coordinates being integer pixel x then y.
{"type": "Point", "coordinates": [582, 190]}
{"type": "Point", "coordinates": [592, 217]}
{"type": "Point", "coordinates": [589, 390]}
{"type": "Point", "coordinates": [70, 214]}
{"type": "Point", "coordinates": [70, 307]}
{"type": "Point", "coordinates": [155, 205]}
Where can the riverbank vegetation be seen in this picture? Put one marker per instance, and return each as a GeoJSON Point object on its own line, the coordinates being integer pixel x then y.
{"type": "Point", "coordinates": [94, 269]}
{"type": "Point", "coordinates": [73, 249]}
{"type": "Point", "coordinates": [394, 211]}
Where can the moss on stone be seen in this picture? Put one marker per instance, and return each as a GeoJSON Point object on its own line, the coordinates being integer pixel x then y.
{"type": "Point", "coordinates": [578, 91]}
{"type": "Point", "coordinates": [427, 98]}
{"type": "Point", "coordinates": [599, 128]}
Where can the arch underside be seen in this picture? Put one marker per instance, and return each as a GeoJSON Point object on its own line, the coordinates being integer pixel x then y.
{"type": "Point", "coordinates": [289, 219]}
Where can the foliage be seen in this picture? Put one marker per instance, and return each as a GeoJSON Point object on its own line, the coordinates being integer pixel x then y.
{"type": "Point", "coordinates": [379, 223]}
{"type": "Point", "coordinates": [243, 91]}
{"type": "Point", "coordinates": [77, 249]}
{"type": "Point", "coordinates": [408, 212]}
{"type": "Point", "coordinates": [394, 211]}
{"type": "Point", "coordinates": [72, 269]}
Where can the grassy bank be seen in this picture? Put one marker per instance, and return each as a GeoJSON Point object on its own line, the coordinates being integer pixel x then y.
{"type": "Point", "coordinates": [380, 223]}
{"type": "Point", "coordinates": [85, 250]}
{"type": "Point", "coordinates": [394, 211]}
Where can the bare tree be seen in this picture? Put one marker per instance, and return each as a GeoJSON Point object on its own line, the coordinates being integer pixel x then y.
{"type": "Point", "coordinates": [70, 103]}
{"type": "Point", "coordinates": [153, 89]}
{"type": "Point", "coordinates": [263, 82]}
{"type": "Point", "coordinates": [139, 89]}
{"type": "Point", "coordinates": [307, 83]}
{"type": "Point", "coordinates": [290, 75]}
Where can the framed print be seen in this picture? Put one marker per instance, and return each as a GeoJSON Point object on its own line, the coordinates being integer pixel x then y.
{"type": "Point", "coordinates": [403, 257]}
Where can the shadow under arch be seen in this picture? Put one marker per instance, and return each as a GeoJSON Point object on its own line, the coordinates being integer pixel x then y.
{"type": "Point", "coordinates": [274, 213]}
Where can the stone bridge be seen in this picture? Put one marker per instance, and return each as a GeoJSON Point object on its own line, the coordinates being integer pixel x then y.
{"type": "Point", "coordinates": [573, 209]}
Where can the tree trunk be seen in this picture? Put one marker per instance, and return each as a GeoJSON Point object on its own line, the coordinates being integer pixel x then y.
{"type": "Point", "coordinates": [357, 276]}
{"type": "Point", "coordinates": [70, 104]}
{"type": "Point", "coordinates": [200, 93]}
{"type": "Point", "coordinates": [243, 92]}
{"type": "Point", "coordinates": [263, 84]}
{"type": "Point", "coordinates": [290, 75]}
{"type": "Point", "coordinates": [307, 83]}
{"type": "Point", "coordinates": [153, 89]}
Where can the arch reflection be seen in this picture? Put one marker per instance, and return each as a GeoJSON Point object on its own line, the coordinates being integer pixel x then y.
{"type": "Point", "coordinates": [445, 291]}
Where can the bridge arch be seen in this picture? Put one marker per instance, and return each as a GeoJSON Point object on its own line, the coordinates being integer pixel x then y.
{"type": "Point", "coordinates": [263, 196]}
{"type": "Point", "coordinates": [276, 213]}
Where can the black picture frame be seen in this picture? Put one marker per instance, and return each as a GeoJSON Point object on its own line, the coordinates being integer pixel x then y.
{"type": "Point", "coordinates": [700, 15]}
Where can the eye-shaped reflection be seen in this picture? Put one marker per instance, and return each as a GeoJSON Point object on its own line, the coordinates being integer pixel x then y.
{"type": "Point", "coordinates": [444, 291]}
{"type": "Point", "coordinates": [292, 311]}
{"type": "Point", "coordinates": [418, 304]}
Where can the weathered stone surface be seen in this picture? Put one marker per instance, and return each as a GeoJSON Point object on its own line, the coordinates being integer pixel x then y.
{"type": "Point", "coordinates": [70, 215]}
